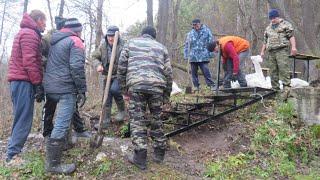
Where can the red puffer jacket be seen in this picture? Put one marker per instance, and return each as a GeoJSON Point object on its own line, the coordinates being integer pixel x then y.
{"type": "Point", "coordinates": [25, 61]}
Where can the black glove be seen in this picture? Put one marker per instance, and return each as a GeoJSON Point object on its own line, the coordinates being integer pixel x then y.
{"type": "Point", "coordinates": [234, 77]}
{"type": "Point", "coordinates": [39, 93]}
{"type": "Point", "coordinates": [81, 99]}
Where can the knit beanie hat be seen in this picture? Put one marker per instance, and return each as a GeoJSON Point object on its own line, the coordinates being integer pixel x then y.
{"type": "Point", "coordinates": [111, 30]}
{"type": "Point", "coordinates": [195, 21]}
{"type": "Point", "coordinates": [212, 45]}
{"type": "Point", "coordinates": [59, 21]}
{"type": "Point", "coordinates": [149, 30]}
{"type": "Point", "coordinates": [273, 13]}
{"type": "Point", "coordinates": [73, 24]}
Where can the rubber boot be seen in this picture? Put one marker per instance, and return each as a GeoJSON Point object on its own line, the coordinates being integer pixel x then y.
{"type": "Point", "coordinates": [53, 158]}
{"type": "Point", "coordinates": [138, 158]}
{"type": "Point", "coordinates": [121, 111]}
{"type": "Point", "coordinates": [68, 144]}
{"type": "Point", "coordinates": [158, 155]}
{"type": "Point", "coordinates": [106, 121]}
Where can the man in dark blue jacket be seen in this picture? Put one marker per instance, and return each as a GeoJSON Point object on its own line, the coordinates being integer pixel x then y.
{"type": "Point", "coordinates": [65, 83]}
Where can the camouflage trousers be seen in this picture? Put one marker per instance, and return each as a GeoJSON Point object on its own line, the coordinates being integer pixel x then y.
{"type": "Point", "coordinates": [279, 65]}
{"type": "Point", "coordinates": [139, 123]}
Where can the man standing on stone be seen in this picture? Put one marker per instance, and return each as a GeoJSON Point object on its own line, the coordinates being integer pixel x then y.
{"type": "Point", "coordinates": [195, 49]}
{"type": "Point", "coordinates": [101, 60]}
{"type": "Point", "coordinates": [25, 77]}
{"type": "Point", "coordinates": [64, 83]}
{"type": "Point", "coordinates": [145, 74]}
{"type": "Point", "coordinates": [278, 37]}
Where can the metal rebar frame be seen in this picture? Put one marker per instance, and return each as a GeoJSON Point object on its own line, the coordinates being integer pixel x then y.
{"type": "Point", "coordinates": [227, 100]}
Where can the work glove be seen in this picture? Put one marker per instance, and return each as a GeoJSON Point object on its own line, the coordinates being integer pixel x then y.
{"type": "Point", "coordinates": [234, 77]}
{"type": "Point", "coordinates": [39, 93]}
{"type": "Point", "coordinates": [81, 99]}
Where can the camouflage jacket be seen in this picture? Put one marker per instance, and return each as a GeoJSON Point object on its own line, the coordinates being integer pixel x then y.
{"type": "Point", "coordinates": [278, 36]}
{"type": "Point", "coordinates": [196, 45]}
{"type": "Point", "coordinates": [144, 66]}
{"type": "Point", "coordinates": [102, 56]}
{"type": "Point", "coordinates": [45, 45]}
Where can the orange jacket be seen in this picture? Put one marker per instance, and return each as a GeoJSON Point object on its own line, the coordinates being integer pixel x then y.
{"type": "Point", "coordinates": [231, 47]}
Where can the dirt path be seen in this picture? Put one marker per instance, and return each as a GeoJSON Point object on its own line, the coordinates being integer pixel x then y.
{"type": "Point", "coordinates": [186, 157]}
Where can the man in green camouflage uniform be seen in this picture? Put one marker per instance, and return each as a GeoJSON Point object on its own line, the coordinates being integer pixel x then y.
{"type": "Point", "coordinates": [278, 37]}
{"type": "Point", "coordinates": [144, 72]}
{"type": "Point", "coordinates": [101, 60]}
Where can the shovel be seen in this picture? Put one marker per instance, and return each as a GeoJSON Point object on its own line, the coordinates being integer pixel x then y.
{"type": "Point", "coordinates": [189, 88]}
{"type": "Point", "coordinates": [96, 140]}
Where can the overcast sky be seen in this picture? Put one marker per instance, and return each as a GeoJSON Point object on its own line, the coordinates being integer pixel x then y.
{"type": "Point", "coordinates": [122, 13]}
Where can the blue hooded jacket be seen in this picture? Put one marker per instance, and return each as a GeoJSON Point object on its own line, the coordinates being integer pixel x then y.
{"type": "Point", "coordinates": [198, 45]}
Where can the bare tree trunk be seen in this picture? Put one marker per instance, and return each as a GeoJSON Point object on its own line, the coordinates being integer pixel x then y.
{"type": "Point", "coordinates": [3, 13]}
{"type": "Point", "coordinates": [49, 8]}
{"type": "Point", "coordinates": [163, 14]}
{"type": "Point", "coordinates": [174, 30]}
{"type": "Point", "coordinates": [91, 29]}
{"type": "Point", "coordinates": [25, 6]}
{"type": "Point", "coordinates": [99, 23]}
{"type": "Point", "coordinates": [150, 12]}
{"type": "Point", "coordinates": [61, 8]}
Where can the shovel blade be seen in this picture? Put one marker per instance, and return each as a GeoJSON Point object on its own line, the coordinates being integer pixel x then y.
{"type": "Point", "coordinates": [96, 141]}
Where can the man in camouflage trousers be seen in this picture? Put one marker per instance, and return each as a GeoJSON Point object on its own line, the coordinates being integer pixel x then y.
{"type": "Point", "coordinates": [144, 72]}
{"type": "Point", "coordinates": [278, 37]}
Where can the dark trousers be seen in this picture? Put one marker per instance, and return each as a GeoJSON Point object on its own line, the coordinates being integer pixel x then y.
{"type": "Point", "coordinates": [22, 96]}
{"type": "Point", "coordinates": [205, 70]}
{"type": "Point", "coordinates": [48, 111]}
{"type": "Point", "coordinates": [228, 71]}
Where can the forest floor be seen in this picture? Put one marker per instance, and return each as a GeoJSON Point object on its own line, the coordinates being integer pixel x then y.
{"type": "Point", "coordinates": [255, 142]}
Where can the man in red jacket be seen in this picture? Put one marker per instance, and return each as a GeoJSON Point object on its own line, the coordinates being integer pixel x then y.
{"type": "Point", "coordinates": [234, 51]}
{"type": "Point", "coordinates": [25, 77]}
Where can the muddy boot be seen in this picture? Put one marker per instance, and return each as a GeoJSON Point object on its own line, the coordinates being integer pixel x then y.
{"type": "Point", "coordinates": [53, 158]}
{"type": "Point", "coordinates": [158, 155]}
{"type": "Point", "coordinates": [138, 158]}
{"type": "Point", "coordinates": [68, 144]}
{"type": "Point", "coordinates": [121, 111]}
{"type": "Point", "coordinates": [106, 121]}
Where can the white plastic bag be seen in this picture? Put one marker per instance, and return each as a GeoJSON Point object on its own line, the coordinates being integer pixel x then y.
{"type": "Point", "coordinates": [298, 83]}
{"type": "Point", "coordinates": [175, 89]}
{"type": "Point", "coordinates": [257, 79]}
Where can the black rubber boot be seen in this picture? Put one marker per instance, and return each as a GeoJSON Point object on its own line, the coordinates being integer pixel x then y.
{"type": "Point", "coordinates": [53, 158]}
{"type": "Point", "coordinates": [138, 158]}
{"type": "Point", "coordinates": [106, 121]}
{"type": "Point", "coordinates": [68, 144]}
{"type": "Point", "coordinates": [121, 111]}
{"type": "Point", "coordinates": [158, 155]}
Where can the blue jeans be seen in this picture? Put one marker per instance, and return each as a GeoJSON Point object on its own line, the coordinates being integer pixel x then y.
{"type": "Point", "coordinates": [114, 92]}
{"type": "Point", "coordinates": [228, 71]}
{"type": "Point", "coordinates": [66, 105]}
{"type": "Point", "coordinates": [22, 96]}
{"type": "Point", "coordinates": [205, 70]}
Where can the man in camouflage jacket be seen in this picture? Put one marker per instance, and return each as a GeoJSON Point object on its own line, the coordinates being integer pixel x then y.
{"type": "Point", "coordinates": [101, 60]}
{"type": "Point", "coordinates": [278, 37]}
{"type": "Point", "coordinates": [145, 73]}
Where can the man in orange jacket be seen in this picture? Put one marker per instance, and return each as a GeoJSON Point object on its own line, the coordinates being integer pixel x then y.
{"type": "Point", "coordinates": [234, 50]}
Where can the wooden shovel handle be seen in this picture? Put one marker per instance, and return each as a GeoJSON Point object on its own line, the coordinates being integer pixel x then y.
{"type": "Point", "coordinates": [108, 83]}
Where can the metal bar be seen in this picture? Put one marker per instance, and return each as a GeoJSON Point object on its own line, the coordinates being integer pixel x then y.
{"type": "Point", "coordinates": [196, 124]}
{"type": "Point", "coordinates": [308, 62]}
{"type": "Point", "coordinates": [294, 67]}
{"type": "Point", "coordinates": [218, 71]}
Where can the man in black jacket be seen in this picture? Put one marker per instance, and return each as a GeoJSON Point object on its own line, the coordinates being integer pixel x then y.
{"type": "Point", "coordinates": [50, 105]}
{"type": "Point", "coordinates": [65, 83]}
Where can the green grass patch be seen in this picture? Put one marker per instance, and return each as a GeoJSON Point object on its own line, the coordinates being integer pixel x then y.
{"type": "Point", "coordinates": [34, 166]}
{"type": "Point", "coordinates": [5, 172]}
{"type": "Point", "coordinates": [277, 149]}
{"type": "Point", "coordinates": [102, 168]}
